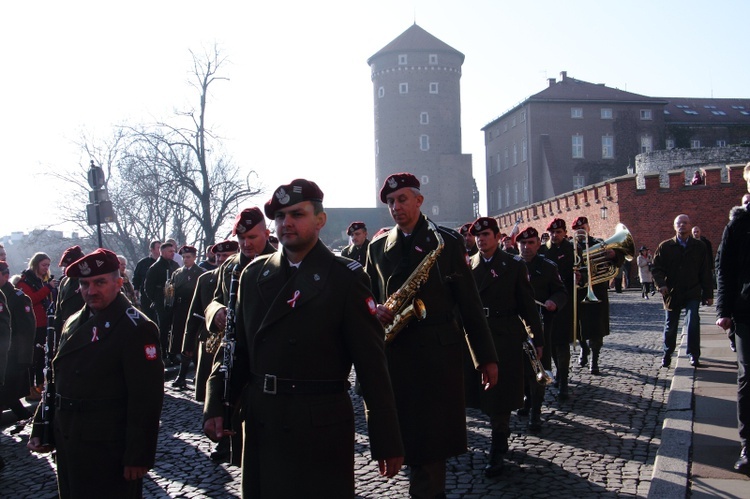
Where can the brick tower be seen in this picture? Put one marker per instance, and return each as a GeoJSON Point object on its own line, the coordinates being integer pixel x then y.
{"type": "Point", "coordinates": [417, 95]}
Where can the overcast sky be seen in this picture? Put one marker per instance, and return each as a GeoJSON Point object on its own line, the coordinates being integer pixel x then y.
{"type": "Point", "coordinates": [299, 100]}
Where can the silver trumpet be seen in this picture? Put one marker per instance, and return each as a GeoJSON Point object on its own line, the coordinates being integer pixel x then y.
{"type": "Point", "coordinates": [543, 377]}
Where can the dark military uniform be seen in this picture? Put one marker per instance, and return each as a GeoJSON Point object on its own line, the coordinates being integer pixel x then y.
{"type": "Point", "coordinates": [184, 281]}
{"type": "Point", "coordinates": [139, 280]}
{"type": "Point", "coordinates": [508, 301]}
{"type": "Point", "coordinates": [156, 278]}
{"type": "Point", "coordinates": [4, 336]}
{"type": "Point", "coordinates": [109, 380]}
{"type": "Point", "coordinates": [307, 330]}
{"type": "Point", "coordinates": [547, 285]}
{"type": "Point", "coordinates": [563, 256]}
{"type": "Point", "coordinates": [425, 359]}
{"type": "Point", "coordinates": [69, 301]}
{"type": "Point", "coordinates": [357, 253]}
{"type": "Point", "coordinates": [196, 332]}
{"type": "Point", "coordinates": [21, 353]}
{"type": "Point", "coordinates": [224, 278]}
{"type": "Point", "coordinates": [593, 317]}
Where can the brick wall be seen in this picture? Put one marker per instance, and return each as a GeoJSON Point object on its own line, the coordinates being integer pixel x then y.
{"type": "Point", "coordinates": [647, 212]}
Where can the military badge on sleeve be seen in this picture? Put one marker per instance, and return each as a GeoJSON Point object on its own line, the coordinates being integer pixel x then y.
{"type": "Point", "coordinates": [151, 352]}
{"type": "Point", "coordinates": [371, 305]}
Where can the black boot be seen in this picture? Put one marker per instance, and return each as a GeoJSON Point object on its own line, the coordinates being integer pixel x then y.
{"type": "Point", "coordinates": [743, 464]}
{"type": "Point", "coordinates": [563, 394]}
{"type": "Point", "coordinates": [594, 369]}
{"type": "Point", "coordinates": [180, 382]}
{"type": "Point", "coordinates": [497, 450]}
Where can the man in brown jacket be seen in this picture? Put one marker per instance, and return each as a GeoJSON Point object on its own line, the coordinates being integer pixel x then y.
{"type": "Point", "coordinates": [682, 273]}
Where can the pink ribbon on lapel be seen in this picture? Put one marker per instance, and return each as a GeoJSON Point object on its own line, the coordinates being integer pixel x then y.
{"type": "Point", "coordinates": [94, 336]}
{"type": "Point", "coordinates": [293, 301]}
{"type": "Point", "coordinates": [492, 271]}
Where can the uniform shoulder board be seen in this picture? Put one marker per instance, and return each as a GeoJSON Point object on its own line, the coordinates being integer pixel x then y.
{"type": "Point", "coordinates": [547, 260]}
{"type": "Point", "coordinates": [352, 265]}
{"type": "Point", "coordinates": [450, 232]}
{"type": "Point", "coordinates": [380, 236]}
{"type": "Point", "coordinates": [134, 315]}
{"type": "Point", "coordinates": [19, 292]}
{"type": "Point", "coordinates": [517, 258]}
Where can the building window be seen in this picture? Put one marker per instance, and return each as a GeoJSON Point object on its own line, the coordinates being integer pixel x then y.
{"type": "Point", "coordinates": [695, 144]}
{"type": "Point", "coordinates": [577, 146]}
{"type": "Point", "coordinates": [578, 181]}
{"type": "Point", "coordinates": [513, 122]}
{"type": "Point", "coordinates": [515, 154]}
{"type": "Point", "coordinates": [424, 180]}
{"type": "Point", "coordinates": [645, 114]}
{"type": "Point", "coordinates": [377, 148]}
{"type": "Point", "coordinates": [424, 118]}
{"type": "Point", "coordinates": [646, 144]}
{"type": "Point", "coordinates": [608, 147]}
{"type": "Point", "coordinates": [424, 142]}
{"type": "Point", "coordinates": [670, 143]}
{"type": "Point", "coordinates": [498, 164]}
{"type": "Point", "coordinates": [523, 116]}
{"type": "Point", "coordinates": [505, 127]}
{"type": "Point", "coordinates": [402, 60]}
{"type": "Point", "coordinates": [507, 195]}
{"type": "Point", "coordinates": [403, 88]}
{"type": "Point", "coordinates": [433, 87]}
{"type": "Point", "coordinates": [507, 158]}
{"type": "Point", "coordinates": [435, 210]}
{"type": "Point", "coordinates": [721, 143]}
{"type": "Point", "coordinates": [499, 199]}
{"type": "Point", "coordinates": [524, 151]}
{"type": "Point", "coordinates": [433, 59]}
{"type": "Point", "coordinates": [525, 189]}
{"type": "Point", "coordinates": [576, 112]}
{"type": "Point", "coordinates": [606, 113]}
{"type": "Point", "coordinates": [515, 193]}
{"type": "Point", "coordinates": [381, 92]}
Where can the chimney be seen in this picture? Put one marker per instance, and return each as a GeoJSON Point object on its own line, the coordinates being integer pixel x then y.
{"type": "Point", "coordinates": [563, 75]}
{"type": "Point", "coordinates": [551, 81]}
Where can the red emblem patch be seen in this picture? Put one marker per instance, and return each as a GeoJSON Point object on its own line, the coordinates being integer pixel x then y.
{"type": "Point", "coordinates": [371, 305]}
{"type": "Point", "coordinates": [151, 352]}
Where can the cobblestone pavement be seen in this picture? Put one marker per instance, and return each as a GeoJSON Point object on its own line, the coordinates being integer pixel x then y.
{"type": "Point", "coordinates": [600, 443]}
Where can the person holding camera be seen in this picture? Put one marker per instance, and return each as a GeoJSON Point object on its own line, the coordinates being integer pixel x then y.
{"type": "Point", "coordinates": [39, 285]}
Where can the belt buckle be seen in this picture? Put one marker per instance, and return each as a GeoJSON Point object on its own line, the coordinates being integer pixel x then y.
{"type": "Point", "coordinates": [486, 311]}
{"type": "Point", "coordinates": [269, 384]}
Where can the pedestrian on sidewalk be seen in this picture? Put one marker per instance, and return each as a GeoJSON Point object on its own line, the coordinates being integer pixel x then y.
{"type": "Point", "coordinates": [733, 308]}
{"type": "Point", "coordinates": [644, 271]}
{"type": "Point", "coordinates": [682, 274]}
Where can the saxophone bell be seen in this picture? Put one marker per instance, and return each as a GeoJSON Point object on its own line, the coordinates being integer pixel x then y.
{"type": "Point", "coordinates": [416, 310]}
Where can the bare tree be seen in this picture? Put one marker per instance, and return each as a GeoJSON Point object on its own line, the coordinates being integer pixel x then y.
{"type": "Point", "coordinates": [167, 178]}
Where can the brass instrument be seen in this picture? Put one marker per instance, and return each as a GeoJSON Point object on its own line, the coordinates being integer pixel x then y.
{"type": "Point", "coordinates": [402, 303]}
{"type": "Point", "coordinates": [599, 267]}
{"type": "Point", "coordinates": [543, 376]}
{"type": "Point", "coordinates": [169, 291]}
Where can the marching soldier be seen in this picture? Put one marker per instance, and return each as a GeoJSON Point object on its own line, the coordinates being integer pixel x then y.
{"type": "Point", "coordinates": [470, 240]}
{"type": "Point", "coordinates": [139, 279]}
{"type": "Point", "coordinates": [357, 250]}
{"type": "Point", "coordinates": [550, 295]}
{"type": "Point", "coordinates": [560, 251]}
{"type": "Point", "coordinates": [594, 317]}
{"type": "Point", "coordinates": [156, 279]}
{"type": "Point", "coordinates": [184, 281]}
{"type": "Point", "coordinates": [69, 299]}
{"type": "Point", "coordinates": [109, 383]}
{"type": "Point", "coordinates": [304, 316]}
{"type": "Point", "coordinates": [508, 300]}
{"type": "Point", "coordinates": [252, 237]}
{"type": "Point", "coordinates": [196, 334]}
{"type": "Point", "coordinates": [426, 358]}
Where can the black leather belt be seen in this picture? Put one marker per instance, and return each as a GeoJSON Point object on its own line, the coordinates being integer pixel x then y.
{"type": "Point", "coordinates": [85, 405]}
{"type": "Point", "coordinates": [488, 312]}
{"type": "Point", "coordinates": [273, 385]}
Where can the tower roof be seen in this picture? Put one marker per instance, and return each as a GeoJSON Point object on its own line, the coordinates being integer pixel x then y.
{"type": "Point", "coordinates": [415, 39]}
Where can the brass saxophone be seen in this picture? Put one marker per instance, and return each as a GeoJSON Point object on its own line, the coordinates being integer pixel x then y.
{"type": "Point", "coordinates": [403, 303]}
